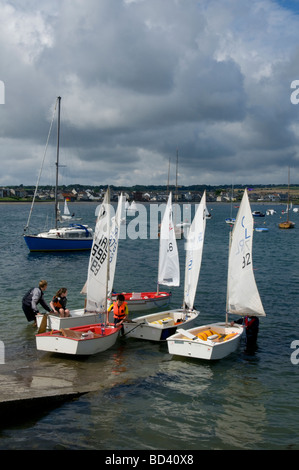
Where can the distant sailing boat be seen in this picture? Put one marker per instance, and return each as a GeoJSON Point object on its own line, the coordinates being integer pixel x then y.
{"type": "Point", "coordinates": [287, 224]}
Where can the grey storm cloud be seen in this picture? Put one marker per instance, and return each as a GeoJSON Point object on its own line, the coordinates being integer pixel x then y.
{"type": "Point", "coordinates": [140, 79]}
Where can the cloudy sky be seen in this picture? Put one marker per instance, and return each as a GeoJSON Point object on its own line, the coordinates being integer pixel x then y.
{"type": "Point", "coordinates": [141, 79]}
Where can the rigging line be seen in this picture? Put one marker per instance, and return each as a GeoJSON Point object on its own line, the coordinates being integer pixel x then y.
{"type": "Point", "coordinates": [40, 172]}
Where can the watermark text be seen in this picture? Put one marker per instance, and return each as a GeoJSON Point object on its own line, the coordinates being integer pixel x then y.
{"type": "Point", "coordinates": [295, 94]}
{"type": "Point", "coordinates": [295, 354]}
{"type": "Point", "coordinates": [2, 92]}
{"type": "Point", "coordinates": [2, 353]}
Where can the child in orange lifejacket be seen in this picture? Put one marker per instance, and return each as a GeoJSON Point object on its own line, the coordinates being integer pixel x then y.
{"type": "Point", "coordinates": [58, 303]}
{"type": "Point", "coordinates": [120, 310]}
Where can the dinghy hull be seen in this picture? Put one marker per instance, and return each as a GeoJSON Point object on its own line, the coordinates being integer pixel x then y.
{"type": "Point", "coordinates": [195, 342]}
{"type": "Point", "coordinates": [159, 326]}
{"type": "Point", "coordinates": [143, 301]}
{"type": "Point", "coordinates": [40, 243]}
{"type": "Point", "coordinates": [80, 341]}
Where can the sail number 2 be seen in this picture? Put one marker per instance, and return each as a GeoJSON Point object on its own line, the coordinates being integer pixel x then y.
{"type": "Point", "coordinates": [246, 260]}
{"type": "Point", "coordinates": [243, 245]}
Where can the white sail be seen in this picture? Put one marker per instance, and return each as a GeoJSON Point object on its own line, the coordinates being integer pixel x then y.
{"type": "Point", "coordinates": [98, 261]}
{"type": "Point", "coordinates": [101, 275]}
{"type": "Point", "coordinates": [66, 213]}
{"type": "Point", "coordinates": [66, 209]}
{"type": "Point", "coordinates": [194, 248]}
{"type": "Point", "coordinates": [242, 294]}
{"type": "Point", "coordinates": [114, 240]}
{"type": "Point", "coordinates": [169, 268]}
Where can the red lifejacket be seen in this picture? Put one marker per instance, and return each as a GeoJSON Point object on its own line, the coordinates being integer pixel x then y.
{"type": "Point", "coordinates": [249, 321]}
{"type": "Point", "coordinates": [119, 312]}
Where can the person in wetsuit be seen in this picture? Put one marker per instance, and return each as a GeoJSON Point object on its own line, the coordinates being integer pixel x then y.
{"type": "Point", "coordinates": [251, 324]}
{"type": "Point", "coordinates": [32, 298]}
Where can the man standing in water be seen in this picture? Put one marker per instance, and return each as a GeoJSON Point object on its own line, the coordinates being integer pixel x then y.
{"type": "Point", "coordinates": [33, 297]}
{"type": "Point", "coordinates": [251, 324]}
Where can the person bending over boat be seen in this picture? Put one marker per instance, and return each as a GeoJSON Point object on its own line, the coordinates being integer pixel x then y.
{"type": "Point", "coordinates": [251, 324]}
{"type": "Point", "coordinates": [33, 297]}
{"type": "Point", "coordinates": [120, 310]}
{"type": "Point", "coordinates": [58, 303]}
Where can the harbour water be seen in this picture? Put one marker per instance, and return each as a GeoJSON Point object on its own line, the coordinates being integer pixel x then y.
{"type": "Point", "coordinates": [147, 399]}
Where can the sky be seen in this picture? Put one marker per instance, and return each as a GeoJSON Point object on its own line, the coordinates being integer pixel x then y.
{"type": "Point", "coordinates": [141, 81]}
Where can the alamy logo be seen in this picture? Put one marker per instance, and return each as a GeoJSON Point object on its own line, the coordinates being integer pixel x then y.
{"type": "Point", "coordinates": [295, 94]}
{"type": "Point", "coordinates": [2, 352]}
{"type": "Point", "coordinates": [2, 92]}
{"type": "Point", "coordinates": [295, 354]}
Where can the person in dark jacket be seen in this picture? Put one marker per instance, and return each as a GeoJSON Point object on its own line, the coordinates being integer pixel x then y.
{"type": "Point", "coordinates": [33, 297]}
{"type": "Point", "coordinates": [251, 324]}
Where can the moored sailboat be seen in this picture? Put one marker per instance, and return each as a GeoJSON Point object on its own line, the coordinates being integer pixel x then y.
{"type": "Point", "coordinates": [159, 326]}
{"type": "Point", "coordinates": [75, 237]}
{"type": "Point", "coordinates": [287, 224]}
{"type": "Point", "coordinates": [218, 340]}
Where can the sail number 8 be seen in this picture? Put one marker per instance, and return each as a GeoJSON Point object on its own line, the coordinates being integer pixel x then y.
{"type": "Point", "coordinates": [99, 254]}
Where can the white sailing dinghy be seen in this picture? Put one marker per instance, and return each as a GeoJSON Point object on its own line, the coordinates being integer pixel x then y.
{"type": "Point", "coordinates": [218, 340]}
{"type": "Point", "coordinates": [145, 301]}
{"type": "Point", "coordinates": [81, 316]}
{"type": "Point", "coordinates": [92, 338]}
{"type": "Point", "coordinates": [66, 213]}
{"type": "Point", "coordinates": [159, 326]}
{"type": "Point", "coordinates": [132, 209]}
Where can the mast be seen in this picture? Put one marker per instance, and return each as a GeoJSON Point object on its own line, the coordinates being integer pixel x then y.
{"type": "Point", "coordinates": [57, 162]}
{"type": "Point", "coordinates": [288, 194]}
{"type": "Point", "coordinates": [108, 252]}
{"type": "Point", "coordinates": [176, 175]}
{"type": "Point", "coordinates": [229, 249]}
{"type": "Point", "coordinates": [168, 176]}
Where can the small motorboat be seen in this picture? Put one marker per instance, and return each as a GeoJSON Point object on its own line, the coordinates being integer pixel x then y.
{"type": "Point", "coordinates": [261, 229]}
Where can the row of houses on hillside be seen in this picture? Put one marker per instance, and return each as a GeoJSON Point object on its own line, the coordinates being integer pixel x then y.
{"type": "Point", "coordinates": [148, 196]}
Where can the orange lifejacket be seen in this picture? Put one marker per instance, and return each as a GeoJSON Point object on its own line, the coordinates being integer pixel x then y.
{"type": "Point", "coordinates": [119, 312]}
{"type": "Point", "coordinates": [58, 303]}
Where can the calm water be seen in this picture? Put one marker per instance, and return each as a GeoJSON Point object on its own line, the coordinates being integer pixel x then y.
{"type": "Point", "coordinates": [149, 400]}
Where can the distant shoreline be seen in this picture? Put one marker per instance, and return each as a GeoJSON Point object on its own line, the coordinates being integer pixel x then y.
{"type": "Point", "coordinates": [275, 203]}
